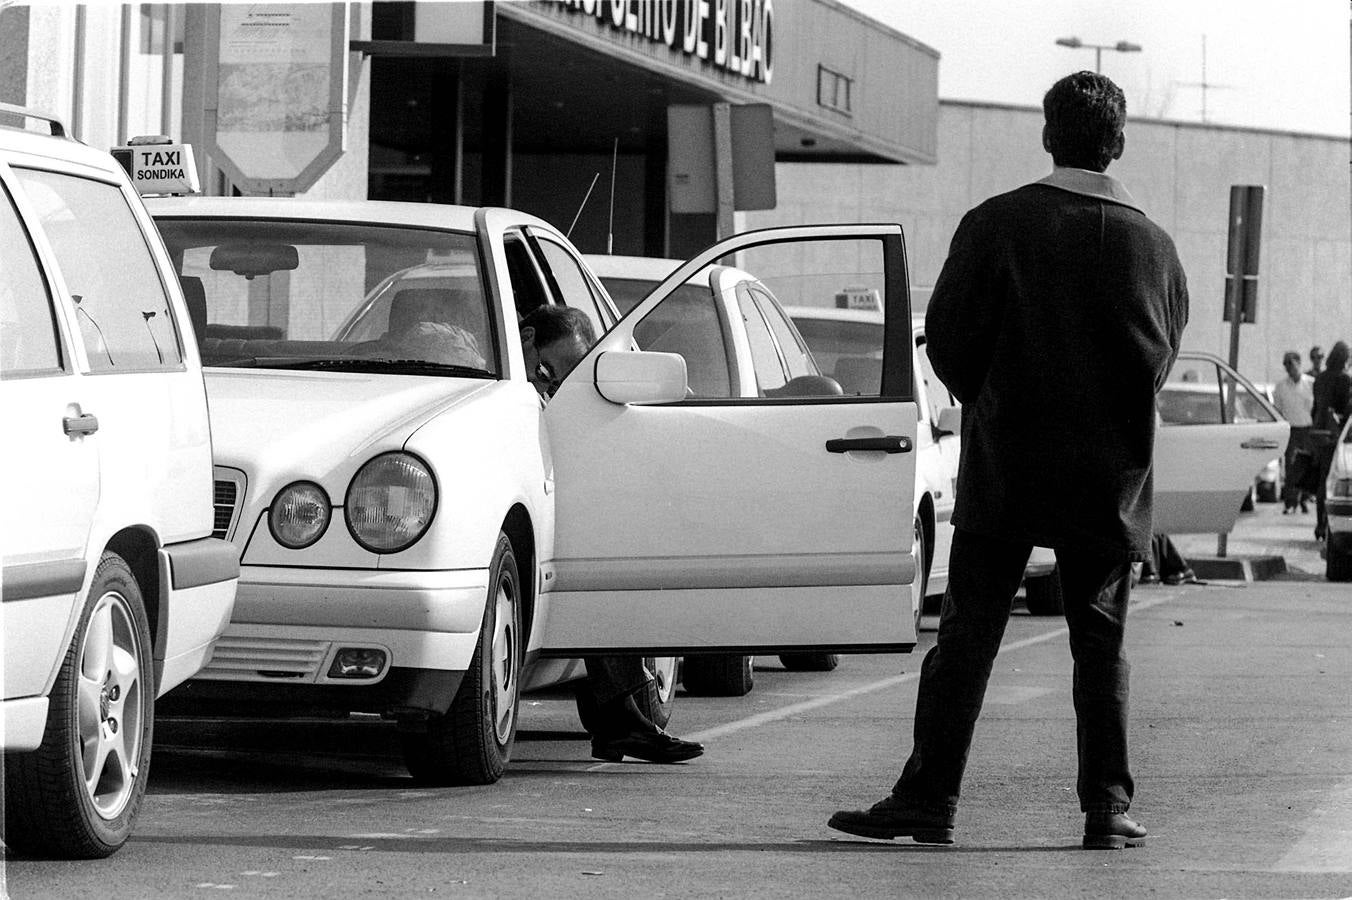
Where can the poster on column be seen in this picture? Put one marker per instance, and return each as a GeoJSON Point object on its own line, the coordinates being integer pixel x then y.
{"type": "Point", "coordinates": [280, 89]}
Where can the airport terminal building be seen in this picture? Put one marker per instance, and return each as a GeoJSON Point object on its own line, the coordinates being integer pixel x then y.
{"type": "Point", "coordinates": [592, 114]}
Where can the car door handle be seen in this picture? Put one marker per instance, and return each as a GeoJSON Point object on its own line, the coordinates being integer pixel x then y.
{"type": "Point", "coordinates": [1260, 444]}
{"type": "Point", "coordinates": [892, 443]}
{"type": "Point", "coordinates": [85, 424]}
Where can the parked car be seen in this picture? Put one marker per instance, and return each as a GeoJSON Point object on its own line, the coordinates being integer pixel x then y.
{"type": "Point", "coordinates": [1201, 473]}
{"type": "Point", "coordinates": [418, 528]}
{"type": "Point", "coordinates": [763, 347]}
{"type": "Point", "coordinates": [1338, 503]}
{"type": "Point", "coordinates": [114, 589]}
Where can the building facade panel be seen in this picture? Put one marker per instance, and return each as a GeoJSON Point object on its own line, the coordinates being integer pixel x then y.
{"type": "Point", "coordinates": [1181, 175]}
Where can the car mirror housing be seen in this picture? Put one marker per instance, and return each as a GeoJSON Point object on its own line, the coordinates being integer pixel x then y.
{"type": "Point", "coordinates": [641, 376]}
{"type": "Point", "coordinates": [950, 420]}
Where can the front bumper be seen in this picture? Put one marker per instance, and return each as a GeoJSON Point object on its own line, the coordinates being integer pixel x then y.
{"type": "Point", "coordinates": [290, 624]}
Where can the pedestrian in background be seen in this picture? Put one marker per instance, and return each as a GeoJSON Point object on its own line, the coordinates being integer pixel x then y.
{"type": "Point", "coordinates": [1332, 406]}
{"type": "Point", "coordinates": [1294, 399]}
{"type": "Point", "coordinates": [1316, 361]}
{"type": "Point", "coordinates": [1054, 321]}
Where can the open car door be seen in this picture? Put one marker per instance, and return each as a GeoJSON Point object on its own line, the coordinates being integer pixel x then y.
{"type": "Point", "coordinates": [1215, 433]}
{"type": "Point", "coordinates": [694, 514]}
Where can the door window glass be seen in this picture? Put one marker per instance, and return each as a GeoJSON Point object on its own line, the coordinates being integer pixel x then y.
{"type": "Point", "coordinates": [848, 350]}
{"type": "Point", "coordinates": [687, 322]}
{"type": "Point", "coordinates": [120, 301]}
{"type": "Point", "coordinates": [1192, 395]}
{"type": "Point", "coordinates": [576, 290]}
{"type": "Point", "coordinates": [733, 352]}
{"type": "Point", "coordinates": [29, 340]}
{"type": "Point", "coordinates": [1242, 404]}
{"type": "Point", "coordinates": [528, 289]}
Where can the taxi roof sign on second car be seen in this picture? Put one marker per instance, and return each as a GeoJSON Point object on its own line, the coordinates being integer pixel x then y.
{"type": "Point", "coordinates": [158, 166]}
{"type": "Point", "coordinates": [859, 297]}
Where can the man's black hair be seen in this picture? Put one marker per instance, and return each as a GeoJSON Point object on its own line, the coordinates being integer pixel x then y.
{"type": "Point", "coordinates": [1085, 115]}
{"type": "Point", "coordinates": [555, 323]}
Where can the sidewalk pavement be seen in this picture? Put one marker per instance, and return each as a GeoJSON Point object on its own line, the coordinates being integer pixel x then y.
{"type": "Point", "coordinates": [1264, 543]}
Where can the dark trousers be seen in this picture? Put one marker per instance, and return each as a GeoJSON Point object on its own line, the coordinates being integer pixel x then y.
{"type": "Point", "coordinates": [613, 677]}
{"type": "Point", "coordinates": [984, 575]}
{"type": "Point", "coordinates": [1296, 474]}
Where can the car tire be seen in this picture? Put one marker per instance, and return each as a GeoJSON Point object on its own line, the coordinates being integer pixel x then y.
{"type": "Point", "coordinates": [1042, 594]}
{"type": "Point", "coordinates": [1338, 557]}
{"type": "Point", "coordinates": [810, 662]}
{"type": "Point", "coordinates": [921, 583]}
{"type": "Point", "coordinates": [655, 701]}
{"type": "Point", "coordinates": [100, 719]}
{"type": "Point", "coordinates": [718, 675]}
{"type": "Point", "coordinates": [472, 742]}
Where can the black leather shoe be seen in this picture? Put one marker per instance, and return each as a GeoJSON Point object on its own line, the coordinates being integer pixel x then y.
{"type": "Point", "coordinates": [1111, 831]}
{"type": "Point", "coordinates": [651, 746]}
{"type": "Point", "coordinates": [891, 818]}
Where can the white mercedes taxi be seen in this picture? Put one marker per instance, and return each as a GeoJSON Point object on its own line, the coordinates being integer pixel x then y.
{"type": "Point", "coordinates": [418, 527]}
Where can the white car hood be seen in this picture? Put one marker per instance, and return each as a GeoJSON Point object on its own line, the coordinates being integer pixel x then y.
{"type": "Point", "coordinates": [320, 424]}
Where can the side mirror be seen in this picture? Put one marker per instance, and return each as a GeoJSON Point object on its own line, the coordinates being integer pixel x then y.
{"type": "Point", "coordinates": [950, 420]}
{"type": "Point", "coordinates": [641, 376]}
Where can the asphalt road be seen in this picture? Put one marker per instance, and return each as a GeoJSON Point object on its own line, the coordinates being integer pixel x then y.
{"type": "Point", "coordinates": [1242, 749]}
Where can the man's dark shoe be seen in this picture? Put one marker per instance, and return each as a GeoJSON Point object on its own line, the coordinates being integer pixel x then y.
{"type": "Point", "coordinates": [651, 746]}
{"type": "Point", "coordinates": [1111, 831]}
{"type": "Point", "coordinates": [892, 818]}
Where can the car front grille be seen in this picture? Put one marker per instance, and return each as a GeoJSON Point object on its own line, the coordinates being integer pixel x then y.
{"type": "Point", "coordinates": [226, 496]}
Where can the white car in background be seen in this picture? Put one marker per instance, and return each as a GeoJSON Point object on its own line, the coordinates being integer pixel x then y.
{"type": "Point", "coordinates": [114, 589]}
{"type": "Point", "coordinates": [418, 529]}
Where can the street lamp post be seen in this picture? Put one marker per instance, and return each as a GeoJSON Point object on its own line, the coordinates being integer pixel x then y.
{"type": "Point", "coordinates": [1121, 47]}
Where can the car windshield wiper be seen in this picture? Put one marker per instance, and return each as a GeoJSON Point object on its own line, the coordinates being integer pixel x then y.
{"type": "Point", "coordinates": [369, 364]}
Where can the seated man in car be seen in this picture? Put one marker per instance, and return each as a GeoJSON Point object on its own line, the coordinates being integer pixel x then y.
{"type": "Point", "coordinates": [555, 339]}
{"type": "Point", "coordinates": [421, 328]}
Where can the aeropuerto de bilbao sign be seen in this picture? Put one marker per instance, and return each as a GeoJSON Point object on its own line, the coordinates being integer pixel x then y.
{"type": "Point", "coordinates": [736, 35]}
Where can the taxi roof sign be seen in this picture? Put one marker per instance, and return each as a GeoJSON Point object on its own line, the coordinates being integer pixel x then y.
{"type": "Point", "coordinates": [859, 297]}
{"type": "Point", "coordinates": [157, 166]}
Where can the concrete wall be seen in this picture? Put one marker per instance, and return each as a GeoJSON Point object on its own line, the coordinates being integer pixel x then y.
{"type": "Point", "coordinates": [1180, 174]}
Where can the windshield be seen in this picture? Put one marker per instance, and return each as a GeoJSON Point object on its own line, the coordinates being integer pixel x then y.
{"type": "Point", "coordinates": [311, 295]}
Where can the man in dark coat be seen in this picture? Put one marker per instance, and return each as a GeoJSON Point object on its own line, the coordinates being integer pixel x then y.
{"type": "Point", "coordinates": [1055, 320]}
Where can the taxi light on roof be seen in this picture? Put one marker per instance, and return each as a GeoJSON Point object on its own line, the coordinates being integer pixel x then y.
{"type": "Point", "coordinates": [859, 297]}
{"type": "Point", "coordinates": [157, 166]}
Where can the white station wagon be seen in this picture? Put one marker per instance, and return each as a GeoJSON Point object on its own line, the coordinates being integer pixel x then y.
{"type": "Point", "coordinates": [418, 527]}
{"type": "Point", "coordinates": [114, 589]}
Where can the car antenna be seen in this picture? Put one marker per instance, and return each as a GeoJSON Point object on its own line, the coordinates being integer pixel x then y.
{"type": "Point", "coordinates": [582, 206]}
{"type": "Point", "coordinates": [610, 227]}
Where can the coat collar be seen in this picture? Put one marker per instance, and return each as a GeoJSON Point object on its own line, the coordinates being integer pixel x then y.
{"type": "Point", "coordinates": [1099, 185]}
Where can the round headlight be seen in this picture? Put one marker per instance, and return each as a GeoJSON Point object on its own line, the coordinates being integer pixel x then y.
{"type": "Point", "coordinates": [390, 502]}
{"type": "Point", "coordinates": [299, 515]}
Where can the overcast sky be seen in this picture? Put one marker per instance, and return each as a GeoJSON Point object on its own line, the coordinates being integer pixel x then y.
{"type": "Point", "coordinates": [1280, 64]}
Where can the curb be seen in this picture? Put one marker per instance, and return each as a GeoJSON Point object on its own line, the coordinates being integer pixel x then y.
{"type": "Point", "coordinates": [1238, 568]}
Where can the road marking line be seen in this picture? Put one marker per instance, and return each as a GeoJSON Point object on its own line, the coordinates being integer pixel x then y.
{"type": "Point", "coordinates": [1326, 845]}
{"type": "Point", "coordinates": [794, 709]}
